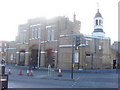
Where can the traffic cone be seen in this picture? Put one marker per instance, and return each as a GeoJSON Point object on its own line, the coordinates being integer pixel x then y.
{"type": "Point", "coordinates": [20, 72]}
{"type": "Point", "coordinates": [27, 73]}
{"type": "Point", "coordinates": [59, 73]}
{"type": "Point", "coordinates": [9, 71]}
{"type": "Point", "coordinates": [31, 72]}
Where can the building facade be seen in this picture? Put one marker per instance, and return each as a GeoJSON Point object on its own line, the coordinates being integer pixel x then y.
{"type": "Point", "coordinates": [11, 53]}
{"type": "Point", "coordinates": [116, 54]}
{"type": "Point", "coordinates": [98, 51]}
{"type": "Point", "coordinates": [39, 41]}
{"type": "Point", "coordinates": [58, 42]}
{"type": "Point", "coordinates": [3, 49]}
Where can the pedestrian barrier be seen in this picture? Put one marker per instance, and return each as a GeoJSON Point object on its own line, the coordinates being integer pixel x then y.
{"type": "Point", "coordinates": [59, 73]}
{"type": "Point", "coordinates": [20, 71]}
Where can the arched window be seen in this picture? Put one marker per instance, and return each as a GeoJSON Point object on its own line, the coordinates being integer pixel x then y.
{"type": "Point", "coordinates": [100, 22]}
{"type": "Point", "coordinates": [96, 22]}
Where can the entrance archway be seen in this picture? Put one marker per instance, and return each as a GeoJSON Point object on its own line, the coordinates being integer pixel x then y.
{"type": "Point", "coordinates": [50, 58]}
{"type": "Point", "coordinates": [22, 57]}
{"type": "Point", "coordinates": [34, 57]}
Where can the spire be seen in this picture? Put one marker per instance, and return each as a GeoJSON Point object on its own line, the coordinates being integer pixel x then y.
{"type": "Point", "coordinates": [74, 17]}
{"type": "Point", "coordinates": [98, 7]}
{"type": "Point", "coordinates": [98, 14]}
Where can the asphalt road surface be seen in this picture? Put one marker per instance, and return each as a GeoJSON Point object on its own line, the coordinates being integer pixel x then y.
{"type": "Point", "coordinates": [43, 79]}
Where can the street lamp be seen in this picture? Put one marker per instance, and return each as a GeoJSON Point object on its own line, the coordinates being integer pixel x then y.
{"type": "Point", "coordinates": [92, 59]}
{"type": "Point", "coordinates": [39, 35]}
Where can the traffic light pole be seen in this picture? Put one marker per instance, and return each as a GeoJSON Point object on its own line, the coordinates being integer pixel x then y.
{"type": "Point", "coordinates": [72, 65]}
{"type": "Point", "coordinates": [79, 58]}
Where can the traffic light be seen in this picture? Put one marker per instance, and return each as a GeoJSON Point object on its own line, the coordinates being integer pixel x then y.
{"type": "Point", "coordinates": [77, 42]}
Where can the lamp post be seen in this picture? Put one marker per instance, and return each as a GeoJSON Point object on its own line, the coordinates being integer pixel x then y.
{"type": "Point", "coordinates": [92, 59]}
{"type": "Point", "coordinates": [39, 35]}
{"type": "Point", "coordinates": [72, 66]}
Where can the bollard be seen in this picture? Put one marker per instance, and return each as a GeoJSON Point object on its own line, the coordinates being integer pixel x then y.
{"type": "Point", "coordinates": [49, 70]}
{"type": "Point", "coordinates": [9, 71]}
{"type": "Point", "coordinates": [27, 73]}
{"type": "Point", "coordinates": [31, 73]}
{"type": "Point", "coordinates": [59, 73]}
{"type": "Point", "coordinates": [20, 72]}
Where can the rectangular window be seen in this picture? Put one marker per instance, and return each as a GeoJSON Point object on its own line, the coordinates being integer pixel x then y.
{"type": "Point", "coordinates": [49, 35]}
{"type": "Point", "coordinates": [33, 33]}
{"type": "Point", "coordinates": [5, 44]}
{"type": "Point", "coordinates": [4, 49]}
{"type": "Point", "coordinates": [86, 42]}
{"type": "Point", "coordinates": [100, 48]}
{"type": "Point", "coordinates": [52, 35]}
{"type": "Point", "coordinates": [0, 49]}
{"type": "Point", "coordinates": [11, 57]}
{"type": "Point", "coordinates": [50, 30]}
{"type": "Point", "coordinates": [87, 53]}
{"type": "Point", "coordinates": [36, 34]}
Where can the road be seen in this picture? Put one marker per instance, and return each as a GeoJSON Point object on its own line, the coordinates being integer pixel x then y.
{"type": "Point", "coordinates": [41, 79]}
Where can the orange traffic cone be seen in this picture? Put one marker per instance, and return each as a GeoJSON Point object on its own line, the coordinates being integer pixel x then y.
{"type": "Point", "coordinates": [27, 73]}
{"type": "Point", "coordinates": [20, 72]}
{"type": "Point", "coordinates": [31, 72]}
{"type": "Point", "coordinates": [9, 71]}
{"type": "Point", "coordinates": [59, 73]}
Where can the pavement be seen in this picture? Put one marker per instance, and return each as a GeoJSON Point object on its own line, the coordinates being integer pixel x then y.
{"type": "Point", "coordinates": [53, 72]}
{"type": "Point", "coordinates": [67, 70]}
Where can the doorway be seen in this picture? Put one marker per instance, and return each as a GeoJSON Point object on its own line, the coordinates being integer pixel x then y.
{"type": "Point", "coordinates": [50, 58]}
{"type": "Point", "coordinates": [22, 58]}
{"type": "Point", "coordinates": [114, 64]}
{"type": "Point", "coordinates": [34, 57]}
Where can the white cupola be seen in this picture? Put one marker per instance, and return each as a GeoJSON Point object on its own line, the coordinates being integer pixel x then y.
{"type": "Point", "coordinates": [98, 25]}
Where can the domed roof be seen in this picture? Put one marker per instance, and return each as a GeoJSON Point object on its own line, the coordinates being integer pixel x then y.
{"type": "Point", "coordinates": [98, 14]}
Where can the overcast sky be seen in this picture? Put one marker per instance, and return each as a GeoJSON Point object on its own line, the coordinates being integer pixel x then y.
{"type": "Point", "coordinates": [16, 12]}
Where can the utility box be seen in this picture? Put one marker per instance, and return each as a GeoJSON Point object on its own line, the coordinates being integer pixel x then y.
{"type": "Point", "coordinates": [2, 70]}
{"type": "Point", "coordinates": [3, 78]}
{"type": "Point", "coordinates": [4, 82]}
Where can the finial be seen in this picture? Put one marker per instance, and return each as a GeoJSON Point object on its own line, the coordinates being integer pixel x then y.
{"type": "Point", "coordinates": [74, 17]}
{"type": "Point", "coordinates": [98, 6]}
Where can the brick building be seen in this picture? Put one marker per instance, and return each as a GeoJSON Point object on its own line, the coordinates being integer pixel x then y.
{"type": "Point", "coordinates": [41, 42]}
{"type": "Point", "coordinates": [3, 49]}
